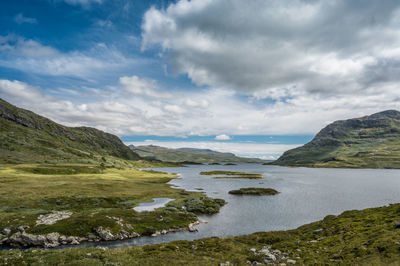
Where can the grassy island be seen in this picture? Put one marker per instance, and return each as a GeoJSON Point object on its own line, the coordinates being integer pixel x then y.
{"type": "Point", "coordinates": [254, 191]}
{"type": "Point", "coordinates": [232, 174]}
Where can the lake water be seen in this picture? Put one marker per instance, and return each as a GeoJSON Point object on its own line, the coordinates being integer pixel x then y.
{"type": "Point", "coordinates": [151, 206]}
{"type": "Point", "coordinates": [306, 195]}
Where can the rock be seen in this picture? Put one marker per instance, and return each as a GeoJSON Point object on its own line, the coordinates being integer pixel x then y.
{"type": "Point", "coordinates": [291, 261]}
{"type": "Point", "coordinates": [397, 225]}
{"type": "Point", "coordinates": [6, 231]}
{"type": "Point", "coordinates": [53, 217]}
{"type": "Point", "coordinates": [318, 230]}
{"type": "Point", "coordinates": [134, 235]}
{"type": "Point", "coordinates": [160, 218]}
{"type": "Point", "coordinates": [52, 240]}
{"type": "Point", "coordinates": [75, 241]}
{"type": "Point", "coordinates": [267, 255]}
{"type": "Point", "coordinates": [22, 228]}
{"type": "Point", "coordinates": [156, 233]}
{"type": "Point", "coordinates": [163, 232]}
{"type": "Point", "coordinates": [191, 227]}
{"type": "Point", "coordinates": [194, 247]}
{"type": "Point", "coordinates": [129, 227]}
{"type": "Point", "coordinates": [123, 234]}
{"type": "Point", "coordinates": [104, 234]}
{"type": "Point", "coordinates": [227, 263]}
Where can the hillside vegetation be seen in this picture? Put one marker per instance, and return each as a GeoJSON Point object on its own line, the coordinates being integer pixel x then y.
{"type": "Point", "coordinates": [367, 142]}
{"type": "Point", "coordinates": [367, 237]}
{"type": "Point", "coordinates": [189, 155]}
{"type": "Point", "coordinates": [28, 137]}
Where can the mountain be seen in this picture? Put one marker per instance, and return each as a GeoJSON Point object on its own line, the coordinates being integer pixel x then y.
{"type": "Point", "coordinates": [28, 137]}
{"type": "Point", "coordinates": [189, 155]}
{"type": "Point", "coordinates": [367, 142]}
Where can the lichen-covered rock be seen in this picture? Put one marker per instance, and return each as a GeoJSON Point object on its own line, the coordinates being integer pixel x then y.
{"type": "Point", "coordinates": [53, 217]}
{"type": "Point", "coordinates": [268, 255]}
{"type": "Point", "coordinates": [105, 234]}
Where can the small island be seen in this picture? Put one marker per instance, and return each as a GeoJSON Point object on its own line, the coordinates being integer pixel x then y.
{"type": "Point", "coordinates": [255, 191]}
{"type": "Point", "coordinates": [231, 174]}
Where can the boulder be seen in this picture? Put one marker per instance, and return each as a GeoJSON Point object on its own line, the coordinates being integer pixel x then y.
{"type": "Point", "coordinates": [6, 231]}
{"type": "Point", "coordinates": [105, 234]}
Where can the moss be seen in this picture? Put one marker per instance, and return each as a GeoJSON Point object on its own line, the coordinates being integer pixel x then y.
{"type": "Point", "coordinates": [254, 191]}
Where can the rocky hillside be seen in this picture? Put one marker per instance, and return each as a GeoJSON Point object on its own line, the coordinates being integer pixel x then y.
{"type": "Point", "coordinates": [189, 155]}
{"type": "Point", "coordinates": [367, 142]}
{"type": "Point", "coordinates": [28, 137]}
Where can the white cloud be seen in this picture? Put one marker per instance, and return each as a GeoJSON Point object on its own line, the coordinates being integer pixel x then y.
{"type": "Point", "coordinates": [200, 103]}
{"type": "Point", "coordinates": [316, 46]}
{"type": "Point", "coordinates": [140, 86]}
{"type": "Point", "coordinates": [118, 112]}
{"type": "Point", "coordinates": [35, 58]}
{"type": "Point", "coordinates": [223, 137]}
{"type": "Point", "coordinates": [174, 109]}
{"type": "Point", "coordinates": [264, 151]}
{"type": "Point", "coordinates": [20, 18]}
{"type": "Point", "coordinates": [84, 3]}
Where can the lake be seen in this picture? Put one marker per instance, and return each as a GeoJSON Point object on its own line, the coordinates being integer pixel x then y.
{"type": "Point", "coordinates": [306, 195]}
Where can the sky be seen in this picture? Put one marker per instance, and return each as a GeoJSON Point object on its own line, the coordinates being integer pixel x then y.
{"type": "Point", "coordinates": [253, 77]}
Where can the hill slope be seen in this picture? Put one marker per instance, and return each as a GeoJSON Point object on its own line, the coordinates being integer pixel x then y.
{"type": "Point", "coordinates": [189, 155]}
{"type": "Point", "coordinates": [28, 137]}
{"type": "Point", "coordinates": [367, 142]}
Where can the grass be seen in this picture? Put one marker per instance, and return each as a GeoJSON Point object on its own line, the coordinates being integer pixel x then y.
{"type": "Point", "coordinates": [254, 191]}
{"type": "Point", "coordinates": [231, 174]}
{"type": "Point", "coordinates": [366, 237]}
{"type": "Point", "coordinates": [94, 194]}
{"type": "Point", "coordinates": [354, 143]}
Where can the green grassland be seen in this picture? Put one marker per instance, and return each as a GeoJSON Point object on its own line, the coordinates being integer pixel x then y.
{"type": "Point", "coordinates": [257, 191]}
{"type": "Point", "coordinates": [366, 237]}
{"type": "Point", "coordinates": [232, 174]}
{"type": "Point", "coordinates": [93, 194]}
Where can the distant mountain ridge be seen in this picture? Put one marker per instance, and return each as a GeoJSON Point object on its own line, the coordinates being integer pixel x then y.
{"type": "Point", "coordinates": [189, 155]}
{"type": "Point", "coordinates": [367, 142]}
{"type": "Point", "coordinates": [26, 136]}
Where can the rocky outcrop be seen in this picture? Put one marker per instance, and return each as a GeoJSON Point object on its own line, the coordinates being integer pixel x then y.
{"type": "Point", "coordinates": [53, 217]}
{"type": "Point", "coordinates": [23, 239]}
{"type": "Point", "coordinates": [107, 235]}
{"type": "Point", "coordinates": [267, 256]}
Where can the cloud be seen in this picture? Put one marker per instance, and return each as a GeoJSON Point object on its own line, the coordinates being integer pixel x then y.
{"type": "Point", "coordinates": [20, 19]}
{"type": "Point", "coordinates": [84, 3]}
{"type": "Point", "coordinates": [264, 151]}
{"type": "Point", "coordinates": [222, 137]}
{"type": "Point", "coordinates": [316, 46]}
{"type": "Point", "coordinates": [140, 86]}
{"type": "Point", "coordinates": [200, 103]}
{"type": "Point", "coordinates": [116, 111]}
{"type": "Point", "coordinates": [172, 108]}
{"type": "Point", "coordinates": [35, 58]}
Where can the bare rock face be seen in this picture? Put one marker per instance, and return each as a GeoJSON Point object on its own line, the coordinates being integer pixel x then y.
{"type": "Point", "coordinates": [53, 217]}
